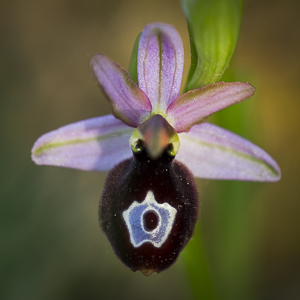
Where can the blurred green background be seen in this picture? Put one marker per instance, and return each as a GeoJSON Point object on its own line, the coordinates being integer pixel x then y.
{"type": "Point", "coordinates": [51, 246]}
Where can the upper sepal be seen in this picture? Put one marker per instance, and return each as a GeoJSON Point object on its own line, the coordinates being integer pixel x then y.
{"type": "Point", "coordinates": [129, 103]}
{"type": "Point", "coordinates": [160, 65]}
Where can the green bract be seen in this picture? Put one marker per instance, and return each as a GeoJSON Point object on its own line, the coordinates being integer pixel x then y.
{"type": "Point", "coordinates": [213, 28]}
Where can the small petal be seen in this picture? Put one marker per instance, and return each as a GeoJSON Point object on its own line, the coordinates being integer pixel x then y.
{"type": "Point", "coordinates": [215, 153]}
{"type": "Point", "coordinates": [92, 145]}
{"type": "Point", "coordinates": [129, 103]}
{"type": "Point", "coordinates": [195, 106]}
{"type": "Point", "coordinates": [160, 65]}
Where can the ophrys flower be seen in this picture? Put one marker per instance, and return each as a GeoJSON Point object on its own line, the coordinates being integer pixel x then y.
{"type": "Point", "coordinates": [149, 204]}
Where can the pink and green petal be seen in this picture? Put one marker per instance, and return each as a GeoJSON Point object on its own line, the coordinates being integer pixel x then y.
{"type": "Point", "coordinates": [215, 153]}
{"type": "Point", "coordinates": [129, 103]}
{"type": "Point", "coordinates": [195, 106]}
{"type": "Point", "coordinates": [160, 65]}
{"type": "Point", "coordinates": [95, 144]}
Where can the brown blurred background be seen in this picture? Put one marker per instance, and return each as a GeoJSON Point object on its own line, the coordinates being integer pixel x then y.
{"type": "Point", "coordinates": [51, 246]}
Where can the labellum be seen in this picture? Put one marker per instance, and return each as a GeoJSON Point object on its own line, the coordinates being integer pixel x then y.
{"type": "Point", "coordinates": [149, 205]}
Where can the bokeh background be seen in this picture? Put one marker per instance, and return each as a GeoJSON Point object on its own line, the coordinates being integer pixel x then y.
{"type": "Point", "coordinates": [247, 244]}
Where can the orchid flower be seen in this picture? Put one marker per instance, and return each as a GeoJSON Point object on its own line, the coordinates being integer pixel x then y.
{"type": "Point", "coordinates": [98, 144]}
{"type": "Point", "coordinates": [154, 130]}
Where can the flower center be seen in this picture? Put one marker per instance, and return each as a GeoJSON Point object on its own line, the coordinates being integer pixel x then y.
{"type": "Point", "coordinates": [155, 135]}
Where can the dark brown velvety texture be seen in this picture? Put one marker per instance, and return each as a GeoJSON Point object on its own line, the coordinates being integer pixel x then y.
{"type": "Point", "coordinates": [129, 181]}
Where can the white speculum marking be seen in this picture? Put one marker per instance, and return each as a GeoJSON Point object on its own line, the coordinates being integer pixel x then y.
{"type": "Point", "coordinates": [134, 219]}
